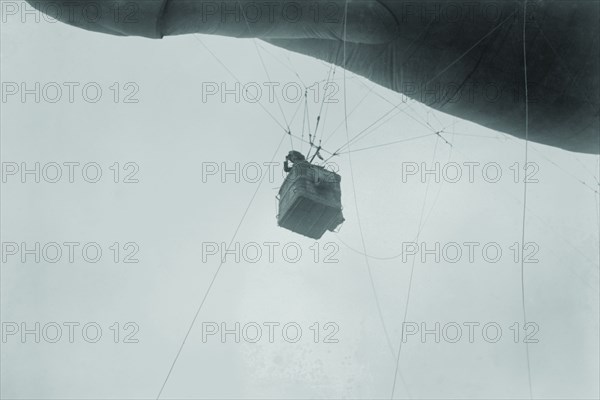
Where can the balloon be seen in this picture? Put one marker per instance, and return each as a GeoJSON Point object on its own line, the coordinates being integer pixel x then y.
{"type": "Point", "coordinates": [464, 58]}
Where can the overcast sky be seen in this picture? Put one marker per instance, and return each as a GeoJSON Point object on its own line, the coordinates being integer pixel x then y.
{"type": "Point", "coordinates": [174, 215]}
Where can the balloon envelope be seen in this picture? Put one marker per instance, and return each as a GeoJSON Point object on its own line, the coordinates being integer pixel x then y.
{"type": "Point", "coordinates": [467, 59]}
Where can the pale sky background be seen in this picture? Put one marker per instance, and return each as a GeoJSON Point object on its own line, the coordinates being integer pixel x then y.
{"type": "Point", "coordinates": [170, 133]}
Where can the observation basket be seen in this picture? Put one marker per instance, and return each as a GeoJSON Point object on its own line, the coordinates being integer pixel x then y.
{"type": "Point", "coordinates": [310, 201]}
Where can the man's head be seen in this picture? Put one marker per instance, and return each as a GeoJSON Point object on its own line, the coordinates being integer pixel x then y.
{"type": "Point", "coordinates": [295, 156]}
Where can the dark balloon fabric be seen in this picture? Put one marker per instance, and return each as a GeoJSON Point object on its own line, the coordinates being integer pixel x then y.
{"type": "Point", "coordinates": [464, 58]}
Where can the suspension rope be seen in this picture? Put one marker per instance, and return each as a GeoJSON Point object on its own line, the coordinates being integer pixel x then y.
{"type": "Point", "coordinates": [586, 168]}
{"type": "Point", "coordinates": [330, 77]}
{"type": "Point", "coordinates": [396, 107]}
{"type": "Point", "coordinates": [304, 118]}
{"type": "Point", "coordinates": [283, 64]}
{"type": "Point", "coordinates": [216, 273]}
{"type": "Point", "coordinates": [574, 81]}
{"type": "Point", "coordinates": [324, 119]}
{"type": "Point", "coordinates": [349, 114]}
{"type": "Point", "coordinates": [262, 61]}
{"type": "Point", "coordinates": [307, 142]}
{"type": "Point", "coordinates": [313, 139]}
{"type": "Point", "coordinates": [331, 74]}
{"type": "Point", "coordinates": [350, 141]}
{"type": "Point", "coordinates": [525, 193]}
{"type": "Point", "coordinates": [422, 221]}
{"type": "Point", "coordinates": [373, 289]}
{"type": "Point", "coordinates": [370, 129]}
{"type": "Point", "coordinates": [442, 183]}
{"type": "Point", "coordinates": [377, 146]}
{"type": "Point", "coordinates": [238, 81]}
{"type": "Point", "coordinates": [410, 280]}
{"type": "Point", "coordinates": [295, 113]}
{"type": "Point", "coordinates": [306, 114]}
{"type": "Point", "coordinates": [506, 137]}
{"type": "Point", "coordinates": [423, 122]}
{"type": "Point", "coordinates": [423, 209]}
{"type": "Point", "coordinates": [269, 78]}
{"type": "Point", "coordinates": [471, 48]}
{"type": "Point", "coordinates": [438, 75]}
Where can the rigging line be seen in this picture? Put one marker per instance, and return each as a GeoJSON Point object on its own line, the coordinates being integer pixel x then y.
{"type": "Point", "coordinates": [407, 104]}
{"type": "Point", "coordinates": [507, 137]}
{"type": "Point", "coordinates": [329, 74]}
{"type": "Point", "coordinates": [374, 291]}
{"type": "Point", "coordinates": [429, 112]}
{"type": "Point", "coordinates": [306, 141]}
{"type": "Point", "coordinates": [437, 196]}
{"type": "Point", "coordinates": [401, 70]}
{"type": "Point", "coordinates": [467, 52]}
{"type": "Point", "coordinates": [531, 212]}
{"type": "Point", "coordinates": [416, 236]}
{"type": "Point", "coordinates": [238, 81]}
{"type": "Point", "coordinates": [370, 129]}
{"type": "Point", "coordinates": [462, 56]}
{"type": "Point", "coordinates": [373, 128]}
{"type": "Point", "coordinates": [565, 66]}
{"type": "Point", "coordinates": [424, 222]}
{"type": "Point", "coordinates": [307, 115]}
{"type": "Point", "coordinates": [425, 120]}
{"type": "Point", "coordinates": [270, 80]}
{"type": "Point", "coordinates": [349, 141]}
{"type": "Point", "coordinates": [588, 170]}
{"type": "Point", "coordinates": [574, 272]}
{"type": "Point", "coordinates": [570, 174]}
{"type": "Point", "coordinates": [387, 144]}
{"type": "Point", "coordinates": [328, 103]}
{"type": "Point", "coordinates": [363, 253]}
{"type": "Point", "coordinates": [376, 128]}
{"type": "Point", "coordinates": [525, 193]}
{"type": "Point", "coordinates": [276, 58]}
{"type": "Point", "coordinates": [293, 118]}
{"type": "Point", "coordinates": [410, 280]}
{"type": "Point", "coordinates": [284, 64]}
{"type": "Point", "coordinates": [216, 273]}
{"type": "Point", "coordinates": [324, 122]}
{"type": "Point", "coordinates": [389, 258]}
{"type": "Point", "coordinates": [307, 111]}
{"type": "Point", "coordinates": [425, 123]}
{"type": "Point", "coordinates": [434, 113]}
{"type": "Point", "coordinates": [303, 120]}
{"type": "Point", "coordinates": [349, 114]}
{"type": "Point", "coordinates": [295, 113]}
{"type": "Point", "coordinates": [262, 61]}
{"type": "Point", "coordinates": [471, 48]}
{"type": "Point", "coordinates": [507, 193]}
{"type": "Point", "coordinates": [439, 133]}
